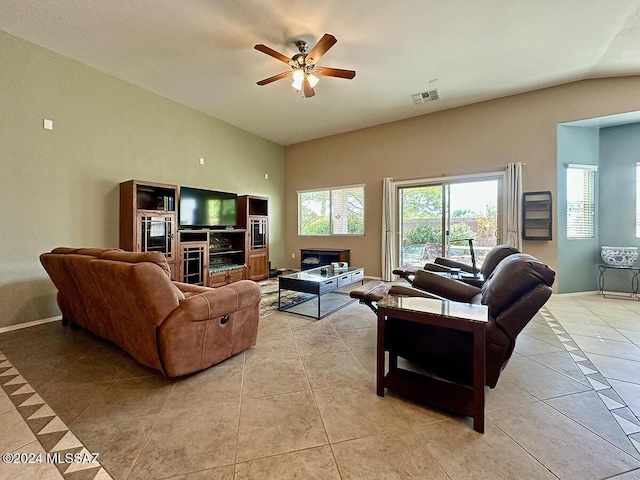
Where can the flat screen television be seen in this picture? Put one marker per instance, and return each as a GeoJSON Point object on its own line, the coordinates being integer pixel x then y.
{"type": "Point", "coordinates": [201, 208]}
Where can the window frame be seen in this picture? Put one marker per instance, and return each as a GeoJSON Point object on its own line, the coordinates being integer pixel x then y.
{"type": "Point", "coordinates": [330, 191]}
{"type": "Point", "coordinates": [586, 228]}
{"type": "Point", "coordinates": [637, 199]}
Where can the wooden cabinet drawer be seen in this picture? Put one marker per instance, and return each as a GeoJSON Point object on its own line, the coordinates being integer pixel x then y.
{"type": "Point", "coordinates": [225, 277]}
{"type": "Point", "coordinates": [235, 275]}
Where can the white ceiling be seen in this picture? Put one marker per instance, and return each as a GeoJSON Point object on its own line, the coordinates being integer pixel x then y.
{"type": "Point", "coordinates": [200, 52]}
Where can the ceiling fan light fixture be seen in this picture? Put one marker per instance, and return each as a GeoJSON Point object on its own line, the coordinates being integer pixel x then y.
{"type": "Point", "coordinates": [298, 77]}
{"type": "Point", "coordinates": [313, 80]}
{"type": "Point", "coordinates": [304, 65]}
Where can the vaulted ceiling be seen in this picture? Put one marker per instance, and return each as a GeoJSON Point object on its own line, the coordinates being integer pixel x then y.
{"type": "Point", "coordinates": [200, 52]}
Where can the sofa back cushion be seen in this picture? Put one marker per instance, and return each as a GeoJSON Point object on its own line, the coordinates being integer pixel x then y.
{"type": "Point", "coordinates": [494, 257]}
{"type": "Point", "coordinates": [444, 286]}
{"type": "Point", "coordinates": [515, 276]}
{"type": "Point", "coordinates": [138, 257]}
{"type": "Point", "coordinates": [71, 299]}
{"type": "Point", "coordinates": [138, 296]}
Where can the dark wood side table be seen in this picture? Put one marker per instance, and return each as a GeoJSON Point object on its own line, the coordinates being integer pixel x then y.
{"type": "Point", "coordinates": [446, 395]}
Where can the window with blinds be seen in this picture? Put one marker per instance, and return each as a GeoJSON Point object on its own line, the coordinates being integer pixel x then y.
{"type": "Point", "coordinates": [581, 201]}
{"type": "Point", "coordinates": [335, 211]}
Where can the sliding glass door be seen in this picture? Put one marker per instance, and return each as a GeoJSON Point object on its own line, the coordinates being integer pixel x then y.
{"type": "Point", "coordinates": [438, 219]}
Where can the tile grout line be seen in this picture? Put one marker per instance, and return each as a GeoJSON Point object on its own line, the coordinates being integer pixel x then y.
{"type": "Point", "coordinates": [153, 425]}
{"type": "Point", "coordinates": [235, 455]}
{"type": "Point", "coordinates": [617, 407]}
{"type": "Point", "coordinates": [315, 401]}
{"type": "Point", "coordinates": [47, 425]}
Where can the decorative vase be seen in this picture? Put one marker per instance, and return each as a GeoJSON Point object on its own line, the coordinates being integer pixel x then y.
{"type": "Point", "coordinates": [619, 256]}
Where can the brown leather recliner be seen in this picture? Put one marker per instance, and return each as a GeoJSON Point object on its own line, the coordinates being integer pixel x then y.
{"type": "Point", "coordinates": [467, 273]}
{"type": "Point", "coordinates": [515, 291]}
{"type": "Point", "coordinates": [129, 299]}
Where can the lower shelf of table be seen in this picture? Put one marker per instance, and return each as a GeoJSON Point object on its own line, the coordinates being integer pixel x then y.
{"type": "Point", "coordinates": [329, 303]}
{"type": "Point", "coordinates": [444, 395]}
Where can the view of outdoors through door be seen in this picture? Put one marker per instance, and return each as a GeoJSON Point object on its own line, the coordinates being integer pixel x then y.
{"type": "Point", "coordinates": [438, 220]}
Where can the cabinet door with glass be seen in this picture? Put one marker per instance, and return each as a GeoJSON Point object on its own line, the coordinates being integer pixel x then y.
{"type": "Point", "coordinates": [258, 248]}
{"type": "Point", "coordinates": [156, 232]}
{"type": "Point", "coordinates": [194, 263]}
{"type": "Point", "coordinates": [258, 236]}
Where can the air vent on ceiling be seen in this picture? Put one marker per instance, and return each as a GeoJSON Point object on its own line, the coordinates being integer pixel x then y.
{"type": "Point", "coordinates": [428, 96]}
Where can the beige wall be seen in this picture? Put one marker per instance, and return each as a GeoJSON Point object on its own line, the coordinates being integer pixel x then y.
{"type": "Point", "coordinates": [60, 187]}
{"type": "Point", "coordinates": [477, 138]}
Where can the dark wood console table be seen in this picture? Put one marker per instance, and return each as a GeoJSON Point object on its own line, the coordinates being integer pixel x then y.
{"type": "Point", "coordinates": [446, 395]}
{"type": "Point", "coordinates": [318, 257]}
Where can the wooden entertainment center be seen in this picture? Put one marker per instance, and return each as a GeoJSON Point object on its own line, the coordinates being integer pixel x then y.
{"type": "Point", "coordinates": [201, 256]}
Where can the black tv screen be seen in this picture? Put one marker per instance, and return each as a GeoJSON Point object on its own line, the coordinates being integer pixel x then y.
{"type": "Point", "coordinates": [207, 208]}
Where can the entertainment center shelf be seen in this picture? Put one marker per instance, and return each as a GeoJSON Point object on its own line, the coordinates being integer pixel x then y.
{"type": "Point", "coordinates": [196, 254]}
{"type": "Point", "coordinates": [213, 257]}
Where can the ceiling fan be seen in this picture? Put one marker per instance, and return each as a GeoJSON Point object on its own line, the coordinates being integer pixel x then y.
{"type": "Point", "coordinates": [303, 65]}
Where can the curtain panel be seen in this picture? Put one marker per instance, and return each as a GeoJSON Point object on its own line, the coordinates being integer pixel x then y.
{"type": "Point", "coordinates": [513, 192]}
{"type": "Point", "coordinates": [388, 228]}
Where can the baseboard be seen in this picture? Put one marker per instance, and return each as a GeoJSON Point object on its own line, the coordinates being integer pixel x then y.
{"type": "Point", "coordinates": [612, 294]}
{"type": "Point", "coordinates": [33, 323]}
{"type": "Point", "coordinates": [575, 294]}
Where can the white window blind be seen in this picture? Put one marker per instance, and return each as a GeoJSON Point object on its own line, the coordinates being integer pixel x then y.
{"type": "Point", "coordinates": [336, 211]}
{"type": "Point", "coordinates": [581, 205]}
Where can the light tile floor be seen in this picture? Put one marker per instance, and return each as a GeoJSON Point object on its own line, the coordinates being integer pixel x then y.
{"type": "Point", "coordinates": [302, 404]}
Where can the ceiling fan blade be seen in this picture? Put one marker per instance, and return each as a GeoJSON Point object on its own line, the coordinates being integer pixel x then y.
{"type": "Point", "coordinates": [271, 52]}
{"type": "Point", "coordinates": [267, 81]}
{"type": "Point", "coordinates": [334, 72]}
{"type": "Point", "coordinates": [307, 88]}
{"type": "Point", "coordinates": [325, 43]}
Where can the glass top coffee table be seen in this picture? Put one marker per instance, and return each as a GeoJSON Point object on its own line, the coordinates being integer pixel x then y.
{"type": "Point", "coordinates": [327, 288]}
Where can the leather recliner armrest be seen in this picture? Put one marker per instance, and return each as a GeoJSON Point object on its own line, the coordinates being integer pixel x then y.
{"type": "Point", "coordinates": [447, 262]}
{"type": "Point", "coordinates": [405, 270]}
{"type": "Point", "coordinates": [190, 288]}
{"type": "Point", "coordinates": [406, 273]}
{"type": "Point", "coordinates": [216, 302]}
{"type": "Point", "coordinates": [435, 267]}
{"type": "Point", "coordinates": [406, 291]}
{"type": "Point", "coordinates": [445, 287]}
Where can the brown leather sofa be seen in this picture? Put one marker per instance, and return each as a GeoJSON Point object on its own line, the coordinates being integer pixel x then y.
{"type": "Point", "coordinates": [129, 299]}
{"type": "Point", "coordinates": [514, 292]}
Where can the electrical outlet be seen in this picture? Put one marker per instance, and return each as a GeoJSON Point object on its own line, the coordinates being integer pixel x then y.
{"type": "Point", "coordinates": [201, 161]}
{"type": "Point", "coordinates": [293, 255]}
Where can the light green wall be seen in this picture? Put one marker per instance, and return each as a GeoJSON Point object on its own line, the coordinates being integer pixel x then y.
{"type": "Point", "coordinates": [614, 150]}
{"type": "Point", "coordinates": [577, 258]}
{"type": "Point", "coordinates": [619, 152]}
{"type": "Point", "coordinates": [60, 187]}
